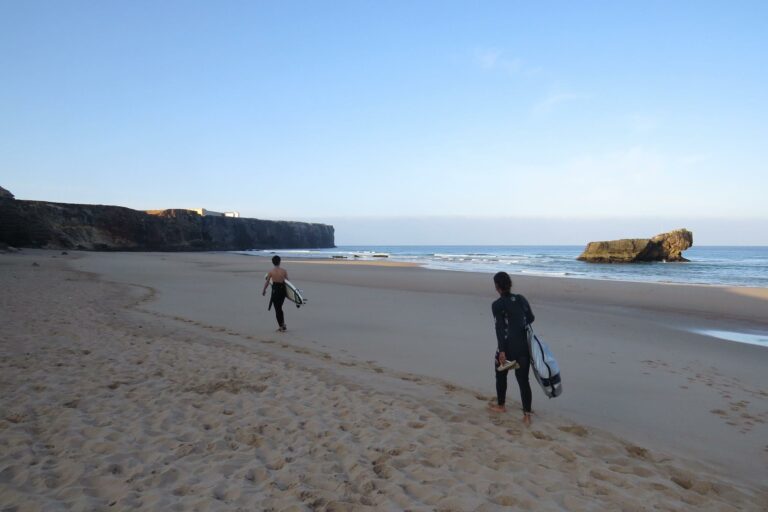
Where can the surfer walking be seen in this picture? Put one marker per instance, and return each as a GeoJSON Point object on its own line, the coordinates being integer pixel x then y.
{"type": "Point", "coordinates": [277, 276]}
{"type": "Point", "coordinates": [511, 314]}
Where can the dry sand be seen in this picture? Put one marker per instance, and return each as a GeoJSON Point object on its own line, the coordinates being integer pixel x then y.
{"type": "Point", "coordinates": [156, 382]}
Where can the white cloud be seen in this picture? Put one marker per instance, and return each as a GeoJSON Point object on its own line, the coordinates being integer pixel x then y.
{"type": "Point", "coordinates": [494, 59]}
{"type": "Point", "coordinates": [487, 58]}
{"type": "Point", "coordinates": [549, 103]}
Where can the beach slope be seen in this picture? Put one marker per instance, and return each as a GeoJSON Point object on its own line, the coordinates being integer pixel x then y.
{"type": "Point", "coordinates": [151, 382]}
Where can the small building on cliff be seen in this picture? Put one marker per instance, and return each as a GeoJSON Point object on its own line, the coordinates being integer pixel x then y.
{"type": "Point", "coordinates": [201, 212]}
{"type": "Point", "coordinates": [208, 213]}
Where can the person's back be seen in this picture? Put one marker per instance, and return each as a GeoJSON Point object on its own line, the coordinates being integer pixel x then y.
{"type": "Point", "coordinates": [512, 313]}
{"type": "Point", "coordinates": [277, 276]}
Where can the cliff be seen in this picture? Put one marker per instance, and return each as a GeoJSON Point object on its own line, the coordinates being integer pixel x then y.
{"type": "Point", "coordinates": [663, 247]}
{"type": "Point", "coordinates": [114, 228]}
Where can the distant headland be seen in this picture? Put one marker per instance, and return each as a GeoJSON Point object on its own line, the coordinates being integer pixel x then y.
{"type": "Point", "coordinates": [114, 228]}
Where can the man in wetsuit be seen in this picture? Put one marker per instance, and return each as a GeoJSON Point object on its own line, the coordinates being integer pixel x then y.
{"type": "Point", "coordinates": [511, 314]}
{"type": "Point", "coordinates": [278, 276]}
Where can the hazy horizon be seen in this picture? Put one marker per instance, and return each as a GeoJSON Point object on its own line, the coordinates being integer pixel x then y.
{"type": "Point", "coordinates": [539, 231]}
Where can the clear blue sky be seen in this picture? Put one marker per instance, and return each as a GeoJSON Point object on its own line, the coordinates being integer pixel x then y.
{"type": "Point", "coordinates": [396, 117]}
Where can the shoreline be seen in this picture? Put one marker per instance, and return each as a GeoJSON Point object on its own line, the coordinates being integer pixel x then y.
{"type": "Point", "coordinates": [553, 275]}
{"type": "Point", "coordinates": [741, 303]}
{"type": "Point", "coordinates": [522, 274]}
{"type": "Point", "coordinates": [705, 271]}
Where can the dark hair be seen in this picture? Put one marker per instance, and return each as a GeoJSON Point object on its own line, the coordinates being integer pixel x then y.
{"type": "Point", "coordinates": [502, 281]}
{"type": "Point", "coordinates": [275, 260]}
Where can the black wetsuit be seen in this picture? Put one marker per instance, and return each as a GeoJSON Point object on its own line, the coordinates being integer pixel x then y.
{"type": "Point", "coordinates": [511, 314]}
{"type": "Point", "coordinates": [276, 299]}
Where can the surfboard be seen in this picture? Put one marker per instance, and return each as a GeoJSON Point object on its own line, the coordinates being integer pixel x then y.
{"type": "Point", "coordinates": [545, 368]}
{"type": "Point", "coordinates": [292, 293]}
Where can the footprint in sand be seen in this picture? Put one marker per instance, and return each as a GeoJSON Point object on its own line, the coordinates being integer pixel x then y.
{"type": "Point", "coordinates": [637, 452]}
{"type": "Point", "coordinates": [565, 453]}
{"type": "Point", "coordinates": [541, 435]}
{"type": "Point", "coordinates": [15, 418]}
{"type": "Point", "coordinates": [181, 491]}
{"type": "Point", "coordinates": [625, 468]}
{"type": "Point", "coordinates": [575, 430]}
{"type": "Point", "coordinates": [380, 468]}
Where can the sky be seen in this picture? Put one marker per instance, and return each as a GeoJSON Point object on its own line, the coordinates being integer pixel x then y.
{"type": "Point", "coordinates": [398, 122]}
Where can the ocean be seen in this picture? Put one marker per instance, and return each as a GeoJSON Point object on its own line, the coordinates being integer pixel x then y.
{"type": "Point", "coordinates": [713, 265]}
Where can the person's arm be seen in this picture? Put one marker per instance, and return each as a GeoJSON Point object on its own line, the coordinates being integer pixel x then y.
{"type": "Point", "coordinates": [498, 318]}
{"type": "Point", "coordinates": [266, 283]}
{"type": "Point", "coordinates": [529, 316]}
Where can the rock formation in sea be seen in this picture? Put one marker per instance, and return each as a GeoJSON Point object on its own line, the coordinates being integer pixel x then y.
{"type": "Point", "coordinates": [663, 247]}
{"type": "Point", "coordinates": [114, 228]}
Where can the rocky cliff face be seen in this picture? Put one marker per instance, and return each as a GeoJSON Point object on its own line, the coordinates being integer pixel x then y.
{"type": "Point", "coordinates": [663, 247]}
{"type": "Point", "coordinates": [113, 228]}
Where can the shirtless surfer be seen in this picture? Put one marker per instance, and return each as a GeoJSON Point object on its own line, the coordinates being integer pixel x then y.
{"type": "Point", "coordinates": [278, 276]}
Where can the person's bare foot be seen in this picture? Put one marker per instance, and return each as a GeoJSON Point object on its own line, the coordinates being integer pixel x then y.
{"type": "Point", "coordinates": [497, 408]}
{"type": "Point", "coordinates": [527, 419]}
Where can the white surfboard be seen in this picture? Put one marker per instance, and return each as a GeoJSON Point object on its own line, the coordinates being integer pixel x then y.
{"type": "Point", "coordinates": [292, 293]}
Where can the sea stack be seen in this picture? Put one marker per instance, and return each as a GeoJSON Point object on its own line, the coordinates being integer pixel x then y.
{"type": "Point", "coordinates": [663, 247]}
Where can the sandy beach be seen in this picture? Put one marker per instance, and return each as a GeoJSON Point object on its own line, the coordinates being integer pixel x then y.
{"type": "Point", "coordinates": [155, 381]}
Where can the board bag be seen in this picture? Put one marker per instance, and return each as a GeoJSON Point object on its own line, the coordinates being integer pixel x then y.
{"type": "Point", "coordinates": [544, 365]}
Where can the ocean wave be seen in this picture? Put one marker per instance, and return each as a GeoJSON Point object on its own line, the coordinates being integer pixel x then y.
{"type": "Point", "coordinates": [734, 266]}
{"type": "Point", "coordinates": [546, 273]}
